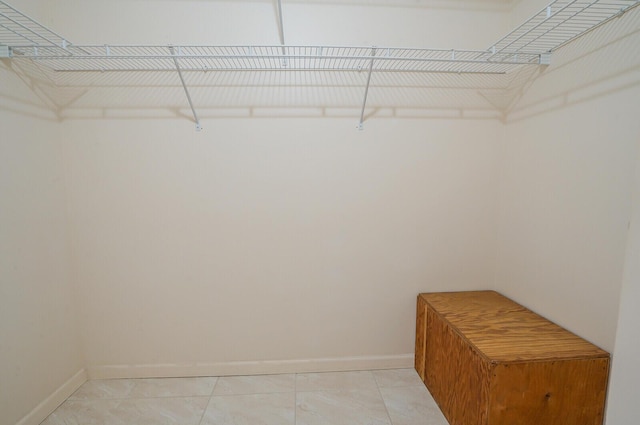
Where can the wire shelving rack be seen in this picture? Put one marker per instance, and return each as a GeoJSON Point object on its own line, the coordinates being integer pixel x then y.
{"type": "Point", "coordinates": [530, 45]}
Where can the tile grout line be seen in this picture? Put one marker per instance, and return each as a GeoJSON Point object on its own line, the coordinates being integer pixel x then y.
{"type": "Point", "coordinates": [137, 398]}
{"type": "Point", "coordinates": [384, 403]}
{"type": "Point", "coordinates": [206, 407]}
{"type": "Point", "coordinates": [204, 412]}
{"type": "Point", "coordinates": [214, 386]}
{"type": "Point", "coordinates": [295, 398]}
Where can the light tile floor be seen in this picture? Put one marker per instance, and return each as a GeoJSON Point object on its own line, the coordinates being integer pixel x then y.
{"type": "Point", "coordinates": [380, 397]}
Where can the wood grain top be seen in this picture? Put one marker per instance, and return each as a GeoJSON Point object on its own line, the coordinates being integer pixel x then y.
{"type": "Point", "coordinates": [504, 331]}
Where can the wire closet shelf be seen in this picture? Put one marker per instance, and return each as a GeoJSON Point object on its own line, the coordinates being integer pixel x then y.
{"type": "Point", "coordinates": [530, 44]}
{"type": "Point", "coordinates": [551, 28]}
{"type": "Point", "coordinates": [270, 58]}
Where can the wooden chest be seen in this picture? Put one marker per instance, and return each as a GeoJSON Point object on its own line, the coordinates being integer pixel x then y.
{"type": "Point", "coordinates": [489, 361]}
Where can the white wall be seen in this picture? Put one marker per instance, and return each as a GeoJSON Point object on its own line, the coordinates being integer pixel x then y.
{"type": "Point", "coordinates": [40, 347]}
{"type": "Point", "coordinates": [567, 180]}
{"type": "Point", "coordinates": [463, 24]}
{"type": "Point", "coordinates": [622, 407]}
{"type": "Point", "coordinates": [272, 239]}
{"type": "Point", "coordinates": [522, 10]}
{"type": "Point", "coordinates": [284, 239]}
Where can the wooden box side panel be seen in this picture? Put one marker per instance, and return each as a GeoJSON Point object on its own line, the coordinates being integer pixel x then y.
{"type": "Point", "coordinates": [565, 392]}
{"type": "Point", "coordinates": [455, 374]}
{"type": "Point", "coordinates": [421, 330]}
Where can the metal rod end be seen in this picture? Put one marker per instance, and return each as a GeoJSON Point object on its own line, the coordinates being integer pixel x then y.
{"type": "Point", "coordinates": [545, 58]}
{"type": "Point", "coordinates": [5, 51]}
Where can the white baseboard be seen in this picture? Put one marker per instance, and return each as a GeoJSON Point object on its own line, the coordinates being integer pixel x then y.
{"type": "Point", "coordinates": [51, 403]}
{"type": "Point", "coordinates": [251, 367]}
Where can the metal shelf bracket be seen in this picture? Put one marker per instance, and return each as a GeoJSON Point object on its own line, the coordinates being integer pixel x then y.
{"type": "Point", "coordinates": [366, 90]}
{"type": "Point", "coordinates": [172, 50]}
{"type": "Point", "coordinates": [281, 23]}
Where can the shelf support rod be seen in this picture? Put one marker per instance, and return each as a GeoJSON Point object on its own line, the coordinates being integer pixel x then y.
{"type": "Point", "coordinates": [281, 33]}
{"type": "Point", "coordinates": [366, 90]}
{"type": "Point", "coordinates": [281, 22]}
{"type": "Point", "coordinates": [186, 90]}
